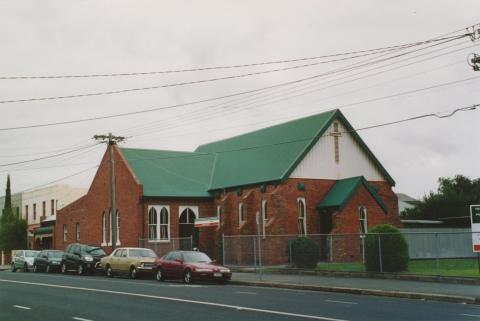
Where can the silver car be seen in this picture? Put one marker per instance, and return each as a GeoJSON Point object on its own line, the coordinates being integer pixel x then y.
{"type": "Point", "coordinates": [23, 260]}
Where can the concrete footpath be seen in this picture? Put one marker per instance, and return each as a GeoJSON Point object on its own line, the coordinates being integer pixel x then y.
{"type": "Point", "coordinates": [459, 293]}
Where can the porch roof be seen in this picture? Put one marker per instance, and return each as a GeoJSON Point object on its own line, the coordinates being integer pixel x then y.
{"type": "Point", "coordinates": [343, 191]}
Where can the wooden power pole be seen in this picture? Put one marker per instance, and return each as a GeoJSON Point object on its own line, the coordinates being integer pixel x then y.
{"type": "Point", "coordinates": [112, 140]}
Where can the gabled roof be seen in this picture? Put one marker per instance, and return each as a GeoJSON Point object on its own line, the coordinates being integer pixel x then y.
{"type": "Point", "coordinates": [272, 153]}
{"type": "Point", "coordinates": [171, 174]}
{"type": "Point", "coordinates": [344, 189]}
{"type": "Point", "coordinates": [266, 155]}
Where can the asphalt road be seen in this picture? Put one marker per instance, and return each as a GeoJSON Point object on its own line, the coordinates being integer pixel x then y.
{"type": "Point", "coordinates": [29, 296]}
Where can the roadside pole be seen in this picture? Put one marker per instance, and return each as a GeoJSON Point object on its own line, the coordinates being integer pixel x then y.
{"type": "Point", "coordinates": [112, 140]}
{"type": "Point", "coordinates": [257, 216]}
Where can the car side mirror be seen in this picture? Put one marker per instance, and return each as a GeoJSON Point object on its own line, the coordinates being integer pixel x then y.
{"type": "Point", "coordinates": [76, 253]}
{"type": "Point", "coordinates": [45, 257]}
{"type": "Point", "coordinates": [214, 261]}
{"type": "Point", "coordinates": [179, 261]}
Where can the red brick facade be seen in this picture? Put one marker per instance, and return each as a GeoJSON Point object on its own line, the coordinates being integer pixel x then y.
{"type": "Point", "coordinates": [282, 215]}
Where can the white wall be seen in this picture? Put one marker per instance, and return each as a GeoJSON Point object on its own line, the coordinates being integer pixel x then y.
{"type": "Point", "coordinates": [320, 163]}
{"type": "Point", "coordinates": [61, 194]}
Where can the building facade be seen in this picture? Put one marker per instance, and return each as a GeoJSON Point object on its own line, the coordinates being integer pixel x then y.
{"type": "Point", "coordinates": [310, 176]}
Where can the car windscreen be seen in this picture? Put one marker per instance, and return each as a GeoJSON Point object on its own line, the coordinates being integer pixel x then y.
{"type": "Point", "coordinates": [142, 253]}
{"type": "Point", "coordinates": [55, 255]}
{"type": "Point", "coordinates": [94, 250]}
{"type": "Point", "coordinates": [31, 253]}
{"type": "Point", "coordinates": [196, 257]}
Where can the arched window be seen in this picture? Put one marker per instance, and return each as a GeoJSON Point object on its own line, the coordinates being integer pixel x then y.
{"type": "Point", "coordinates": [110, 220]}
{"type": "Point", "coordinates": [363, 220]}
{"type": "Point", "coordinates": [118, 228]}
{"type": "Point", "coordinates": [104, 229]}
{"type": "Point", "coordinates": [219, 213]}
{"type": "Point", "coordinates": [302, 217]}
{"type": "Point", "coordinates": [264, 216]}
{"type": "Point", "coordinates": [152, 224]}
{"type": "Point", "coordinates": [241, 216]}
{"type": "Point", "coordinates": [164, 224]}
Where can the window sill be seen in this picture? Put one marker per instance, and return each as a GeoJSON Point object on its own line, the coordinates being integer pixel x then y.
{"type": "Point", "coordinates": [158, 241]}
{"type": "Point", "coordinates": [242, 224]}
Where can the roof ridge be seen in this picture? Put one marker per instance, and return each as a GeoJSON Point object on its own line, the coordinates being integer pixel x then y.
{"type": "Point", "coordinates": [161, 150]}
{"type": "Point", "coordinates": [265, 128]}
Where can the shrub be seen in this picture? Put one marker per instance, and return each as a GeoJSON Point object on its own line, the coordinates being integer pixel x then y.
{"type": "Point", "coordinates": [305, 252]}
{"type": "Point", "coordinates": [394, 249]}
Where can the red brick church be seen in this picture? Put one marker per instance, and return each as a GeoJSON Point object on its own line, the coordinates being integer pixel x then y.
{"type": "Point", "coordinates": [313, 175]}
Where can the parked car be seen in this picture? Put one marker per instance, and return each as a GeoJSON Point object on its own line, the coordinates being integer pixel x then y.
{"type": "Point", "coordinates": [23, 259]}
{"type": "Point", "coordinates": [130, 261]}
{"type": "Point", "coordinates": [190, 266]}
{"type": "Point", "coordinates": [48, 261]}
{"type": "Point", "coordinates": [81, 258]}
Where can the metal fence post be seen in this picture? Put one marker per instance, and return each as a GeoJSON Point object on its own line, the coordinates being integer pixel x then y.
{"type": "Point", "coordinates": [380, 252]}
{"type": "Point", "coordinates": [173, 244]}
{"type": "Point", "coordinates": [191, 242]}
{"type": "Point", "coordinates": [223, 249]}
{"type": "Point", "coordinates": [330, 236]}
{"type": "Point", "coordinates": [363, 247]}
{"type": "Point", "coordinates": [254, 254]}
{"type": "Point", "coordinates": [437, 256]}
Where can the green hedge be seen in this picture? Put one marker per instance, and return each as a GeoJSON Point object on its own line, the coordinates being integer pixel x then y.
{"type": "Point", "coordinates": [394, 249]}
{"type": "Point", "coordinates": [305, 252]}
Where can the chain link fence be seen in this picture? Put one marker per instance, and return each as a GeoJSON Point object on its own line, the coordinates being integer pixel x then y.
{"type": "Point", "coordinates": [163, 247]}
{"type": "Point", "coordinates": [429, 252]}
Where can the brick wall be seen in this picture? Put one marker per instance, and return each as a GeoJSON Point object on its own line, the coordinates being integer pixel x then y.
{"type": "Point", "coordinates": [88, 210]}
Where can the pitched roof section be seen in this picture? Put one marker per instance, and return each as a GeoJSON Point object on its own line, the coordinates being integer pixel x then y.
{"type": "Point", "coordinates": [344, 189]}
{"type": "Point", "coordinates": [169, 173]}
{"type": "Point", "coordinates": [272, 153]}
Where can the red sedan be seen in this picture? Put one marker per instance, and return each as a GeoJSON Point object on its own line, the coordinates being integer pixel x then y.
{"type": "Point", "coordinates": [190, 266]}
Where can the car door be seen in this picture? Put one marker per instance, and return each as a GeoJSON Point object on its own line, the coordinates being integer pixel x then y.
{"type": "Point", "coordinates": [39, 260]}
{"type": "Point", "coordinates": [16, 259]}
{"type": "Point", "coordinates": [177, 266]}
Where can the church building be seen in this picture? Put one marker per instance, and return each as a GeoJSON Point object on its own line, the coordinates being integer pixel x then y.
{"type": "Point", "coordinates": [305, 177]}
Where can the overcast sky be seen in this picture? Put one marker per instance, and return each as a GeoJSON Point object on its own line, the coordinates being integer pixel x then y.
{"type": "Point", "coordinates": [97, 37]}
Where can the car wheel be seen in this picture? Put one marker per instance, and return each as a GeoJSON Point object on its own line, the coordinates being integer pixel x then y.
{"type": "Point", "coordinates": [109, 271]}
{"type": "Point", "coordinates": [35, 268]}
{"type": "Point", "coordinates": [25, 267]}
{"type": "Point", "coordinates": [64, 268]}
{"type": "Point", "coordinates": [133, 272]}
{"type": "Point", "coordinates": [47, 268]}
{"type": "Point", "coordinates": [14, 269]}
{"type": "Point", "coordinates": [80, 269]}
{"type": "Point", "coordinates": [187, 277]}
{"type": "Point", "coordinates": [159, 275]}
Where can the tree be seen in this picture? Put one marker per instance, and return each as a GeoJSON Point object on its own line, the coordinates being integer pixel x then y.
{"type": "Point", "coordinates": [451, 203]}
{"type": "Point", "coordinates": [13, 229]}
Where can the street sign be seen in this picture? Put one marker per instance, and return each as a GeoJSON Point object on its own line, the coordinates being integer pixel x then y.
{"type": "Point", "coordinates": [475, 219]}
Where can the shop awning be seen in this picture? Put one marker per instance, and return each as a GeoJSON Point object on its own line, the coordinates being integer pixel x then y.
{"type": "Point", "coordinates": [43, 230]}
{"type": "Point", "coordinates": [207, 221]}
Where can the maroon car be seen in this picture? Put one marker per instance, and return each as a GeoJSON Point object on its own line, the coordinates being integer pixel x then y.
{"type": "Point", "coordinates": [190, 266]}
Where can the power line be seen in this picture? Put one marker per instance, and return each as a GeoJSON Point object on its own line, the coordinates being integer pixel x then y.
{"type": "Point", "coordinates": [113, 92]}
{"type": "Point", "coordinates": [200, 101]}
{"type": "Point", "coordinates": [47, 157]}
{"type": "Point", "coordinates": [223, 67]}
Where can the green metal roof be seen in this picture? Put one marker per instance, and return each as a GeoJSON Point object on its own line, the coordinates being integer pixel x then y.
{"type": "Point", "coordinates": [266, 155]}
{"type": "Point", "coordinates": [343, 191]}
{"type": "Point", "coordinates": [272, 153]}
{"type": "Point", "coordinates": [169, 173]}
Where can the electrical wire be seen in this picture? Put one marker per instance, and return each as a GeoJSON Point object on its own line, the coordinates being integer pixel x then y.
{"type": "Point", "coordinates": [191, 102]}
{"type": "Point", "coordinates": [224, 67]}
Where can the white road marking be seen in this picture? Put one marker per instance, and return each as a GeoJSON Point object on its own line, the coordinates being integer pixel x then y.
{"type": "Point", "coordinates": [81, 319]}
{"type": "Point", "coordinates": [251, 293]}
{"type": "Point", "coordinates": [21, 307]}
{"type": "Point", "coordinates": [343, 302]}
{"type": "Point", "coordinates": [471, 315]}
{"type": "Point", "coordinates": [220, 305]}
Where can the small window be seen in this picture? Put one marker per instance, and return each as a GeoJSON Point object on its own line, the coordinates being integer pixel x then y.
{"type": "Point", "coordinates": [302, 217]}
{"type": "Point", "coordinates": [34, 211]}
{"type": "Point", "coordinates": [26, 213]}
{"type": "Point", "coordinates": [241, 215]}
{"type": "Point", "coordinates": [65, 232]}
{"type": "Point", "coordinates": [44, 209]}
{"type": "Point", "coordinates": [336, 135]}
{"type": "Point", "coordinates": [152, 224]}
{"type": "Point", "coordinates": [219, 213]}
{"type": "Point", "coordinates": [104, 228]}
{"type": "Point", "coordinates": [77, 229]}
{"type": "Point", "coordinates": [52, 207]}
{"type": "Point", "coordinates": [164, 224]}
{"type": "Point", "coordinates": [363, 220]}
{"type": "Point", "coordinates": [118, 228]}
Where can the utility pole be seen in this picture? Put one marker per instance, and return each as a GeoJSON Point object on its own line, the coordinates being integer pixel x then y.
{"type": "Point", "coordinates": [111, 140]}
